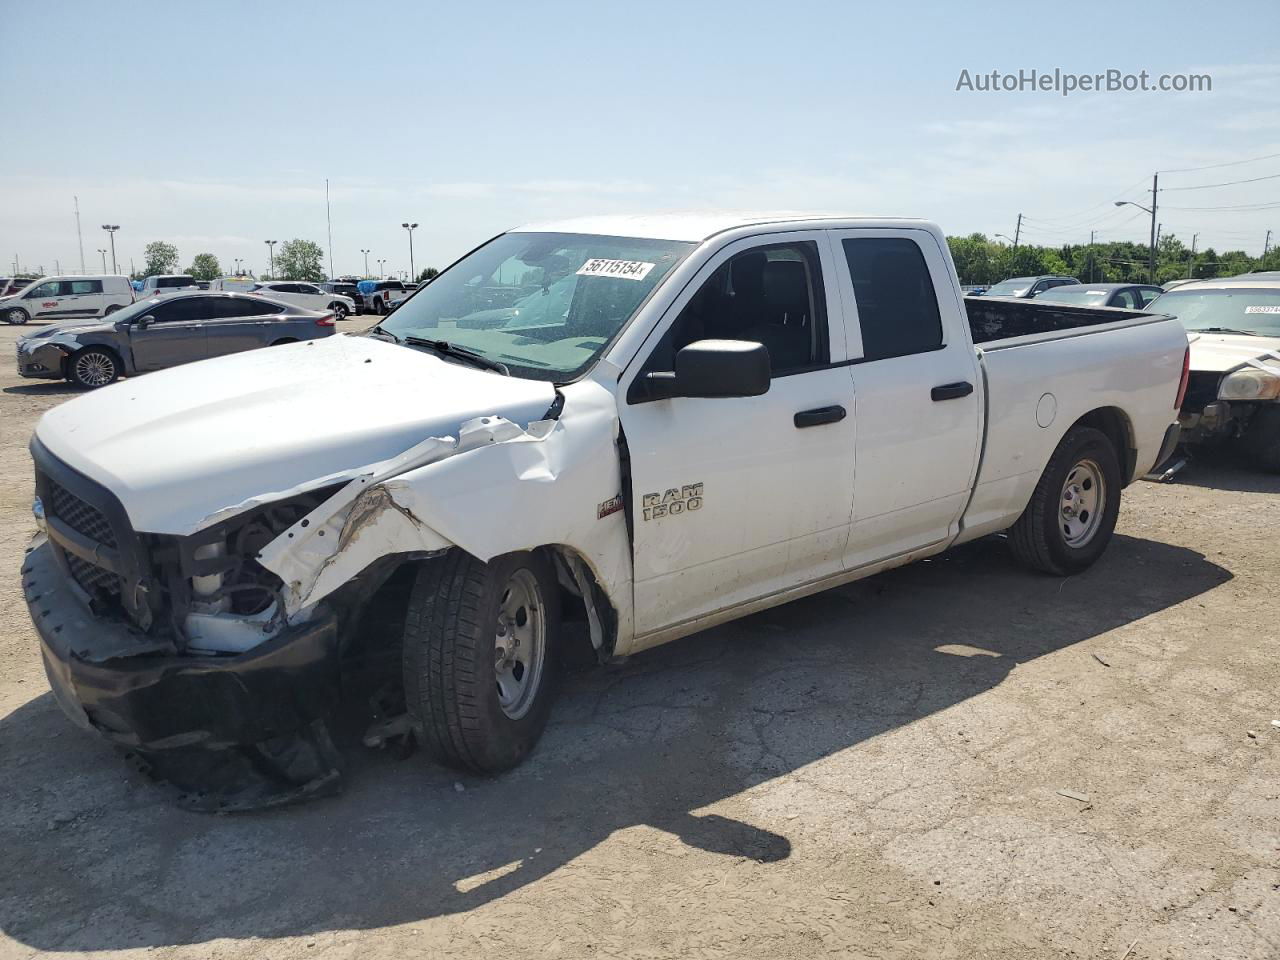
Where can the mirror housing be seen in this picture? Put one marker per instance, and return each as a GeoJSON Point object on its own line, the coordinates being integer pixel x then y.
{"type": "Point", "coordinates": [714, 369]}
{"type": "Point", "coordinates": [143, 322]}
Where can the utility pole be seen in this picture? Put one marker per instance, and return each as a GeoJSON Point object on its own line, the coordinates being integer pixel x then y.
{"type": "Point", "coordinates": [1017, 232]}
{"type": "Point", "coordinates": [1155, 186]}
{"type": "Point", "coordinates": [1093, 260]}
{"type": "Point", "coordinates": [410, 227]}
{"type": "Point", "coordinates": [1266, 244]}
{"type": "Point", "coordinates": [1191, 259]}
{"type": "Point", "coordinates": [329, 220]}
{"type": "Point", "coordinates": [111, 229]}
{"type": "Point", "coordinates": [79, 236]}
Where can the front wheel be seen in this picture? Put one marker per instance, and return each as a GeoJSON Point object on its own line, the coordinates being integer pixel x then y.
{"type": "Point", "coordinates": [16, 316]}
{"type": "Point", "coordinates": [1072, 513]}
{"type": "Point", "coordinates": [1262, 439]}
{"type": "Point", "coordinates": [93, 367]}
{"type": "Point", "coordinates": [480, 657]}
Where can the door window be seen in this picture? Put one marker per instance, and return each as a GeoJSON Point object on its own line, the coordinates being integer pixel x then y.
{"type": "Point", "coordinates": [771, 295]}
{"type": "Point", "coordinates": [185, 309]}
{"type": "Point", "coordinates": [85, 286]}
{"type": "Point", "coordinates": [897, 304]}
{"type": "Point", "coordinates": [44, 291]}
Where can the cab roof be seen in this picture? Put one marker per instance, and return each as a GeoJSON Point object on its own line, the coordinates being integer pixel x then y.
{"type": "Point", "coordinates": [696, 226]}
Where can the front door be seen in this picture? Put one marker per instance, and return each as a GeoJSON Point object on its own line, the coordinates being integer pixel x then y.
{"type": "Point", "coordinates": [739, 498]}
{"type": "Point", "coordinates": [175, 334]}
{"type": "Point", "coordinates": [48, 301]}
{"type": "Point", "coordinates": [916, 380]}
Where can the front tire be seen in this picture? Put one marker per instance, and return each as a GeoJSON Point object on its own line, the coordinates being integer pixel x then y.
{"type": "Point", "coordinates": [16, 316]}
{"type": "Point", "coordinates": [1072, 513]}
{"type": "Point", "coordinates": [480, 658]}
{"type": "Point", "coordinates": [1262, 439]}
{"type": "Point", "coordinates": [93, 367]}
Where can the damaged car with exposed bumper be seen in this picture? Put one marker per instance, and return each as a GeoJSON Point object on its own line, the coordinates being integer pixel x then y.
{"type": "Point", "coordinates": [419, 521]}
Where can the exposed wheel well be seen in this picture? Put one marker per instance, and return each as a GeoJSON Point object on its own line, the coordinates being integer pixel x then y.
{"type": "Point", "coordinates": [1115, 423]}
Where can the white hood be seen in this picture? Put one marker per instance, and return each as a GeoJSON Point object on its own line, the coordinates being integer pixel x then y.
{"type": "Point", "coordinates": [1220, 352]}
{"type": "Point", "coordinates": [179, 446]}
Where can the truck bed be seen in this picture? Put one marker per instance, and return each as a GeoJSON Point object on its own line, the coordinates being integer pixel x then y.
{"type": "Point", "coordinates": [1002, 318]}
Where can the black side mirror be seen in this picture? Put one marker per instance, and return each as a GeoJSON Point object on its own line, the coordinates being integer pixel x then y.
{"type": "Point", "coordinates": [143, 322]}
{"type": "Point", "coordinates": [714, 368]}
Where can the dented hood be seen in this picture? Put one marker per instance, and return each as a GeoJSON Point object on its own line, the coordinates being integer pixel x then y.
{"type": "Point", "coordinates": [184, 446]}
{"type": "Point", "coordinates": [1220, 352]}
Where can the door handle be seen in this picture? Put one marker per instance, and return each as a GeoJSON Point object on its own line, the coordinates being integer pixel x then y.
{"type": "Point", "coordinates": [952, 391]}
{"type": "Point", "coordinates": [819, 416]}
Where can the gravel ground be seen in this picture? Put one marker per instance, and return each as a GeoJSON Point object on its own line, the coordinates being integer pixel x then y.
{"type": "Point", "coordinates": [876, 771]}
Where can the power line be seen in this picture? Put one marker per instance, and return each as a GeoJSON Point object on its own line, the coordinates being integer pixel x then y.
{"type": "Point", "coordinates": [1217, 166]}
{"type": "Point", "coordinates": [1227, 183]}
{"type": "Point", "coordinates": [1264, 205]}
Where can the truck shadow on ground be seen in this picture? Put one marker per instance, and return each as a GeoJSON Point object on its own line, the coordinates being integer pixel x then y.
{"type": "Point", "coordinates": [1226, 468]}
{"type": "Point", "coordinates": [107, 863]}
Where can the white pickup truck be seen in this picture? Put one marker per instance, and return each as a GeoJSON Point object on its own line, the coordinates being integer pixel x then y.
{"type": "Point", "coordinates": [727, 413]}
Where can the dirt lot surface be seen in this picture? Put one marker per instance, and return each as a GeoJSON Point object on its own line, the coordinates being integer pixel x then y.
{"type": "Point", "coordinates": [872, 772]}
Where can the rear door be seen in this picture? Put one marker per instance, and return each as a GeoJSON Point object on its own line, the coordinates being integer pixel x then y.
{"type": "Point", "coordinates": [83, 299]}
{"type": "Point", "coordinates": [236, 324]}
{"type": "Point", "coordinates": [312, 297]}
{"type": "Point", "coordinates": [738, 498]}
{"type": "Point", "coordinates": [915, 378]}
{"type": "Point", "coordinates": [175, 335]}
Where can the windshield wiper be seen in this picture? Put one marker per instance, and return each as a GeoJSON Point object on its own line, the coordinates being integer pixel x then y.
{"type": "Point", "coordinates": [377, 331]}
{"type": "Point", "coordinates": [1247, 333]}
{"type": "Point", "coordinates": [447, 349]}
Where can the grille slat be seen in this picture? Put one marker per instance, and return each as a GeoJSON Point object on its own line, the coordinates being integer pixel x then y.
{"type": "Point", "coordinates": [82, 517]}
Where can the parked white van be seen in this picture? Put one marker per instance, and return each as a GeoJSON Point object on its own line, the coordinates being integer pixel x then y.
{"type": "Point", "coordinates": [66, 298]}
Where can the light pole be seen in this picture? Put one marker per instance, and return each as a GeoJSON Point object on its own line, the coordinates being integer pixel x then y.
{"type": "Point", "coordinates": [410, 227]}
{"type": "Point", "coordinates": [271, 256]}
{"type": "Point", "coordinates": [111, 229]}
{"type": "Point", "coordinates": [366, 260]}
{"type": "Point", "coordinates": [1001, 236]}
{"type": "Point", "coordinates": [1155, 183]}
{"type": "Point", "coordinates": [103, 251]}
{"type": "Point", "coordinates": [382, 268]}
{"type": "Point", "coordinates": [237, 266]}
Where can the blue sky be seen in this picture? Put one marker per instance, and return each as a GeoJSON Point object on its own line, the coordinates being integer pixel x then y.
{"type": "Point", "coordinates": [214, 126]}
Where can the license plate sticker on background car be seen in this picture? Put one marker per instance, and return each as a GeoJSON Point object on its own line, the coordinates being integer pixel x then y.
{"type": "Point", "coordinates": [626, 269]}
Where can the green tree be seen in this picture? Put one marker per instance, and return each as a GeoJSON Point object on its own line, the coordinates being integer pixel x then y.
{"type": "Point", "coordinates": [299, 260]}
{"type": "Point", "coordinates": [161, 258]}
{"type": "Point", "coordinates": [430, 273]}
{"type": "Point", "coordinates": [205, 267]}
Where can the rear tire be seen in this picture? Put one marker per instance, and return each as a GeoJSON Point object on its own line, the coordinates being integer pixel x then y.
{"type": "Point", "coordinates": [1262, 439]}
{"type": "Point", "coordinates": [339, 311]}
{"type": "Point", "coordinates": [93, 367]}
{"type": "Point", "coordinates": [111, 309]}
{"type": "Point", "coordinates": [378, 307]}
{"type": "Point", "coordinates": [16, 316]}
{"type": "Point", "coordinates": [476, 704]}
{"type": "Point", "coordinates": [1072, 513]}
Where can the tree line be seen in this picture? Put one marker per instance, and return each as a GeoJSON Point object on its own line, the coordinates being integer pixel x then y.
{"type": "Point", "coordinates": [294, 260]}
{"type": "Point", "coordinates": [983, 261]}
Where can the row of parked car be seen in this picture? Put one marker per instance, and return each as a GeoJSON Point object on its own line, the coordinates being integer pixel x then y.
{"type": "Point", "coordinates": [1129, 296]}
{"type": "Point", "coordinates": [79, 297]}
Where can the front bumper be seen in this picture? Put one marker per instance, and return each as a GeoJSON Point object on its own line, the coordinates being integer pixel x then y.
{"type": "Point", "coordinates": [43, 363]}
{"type": "Point", "coordinates": [122, 684]}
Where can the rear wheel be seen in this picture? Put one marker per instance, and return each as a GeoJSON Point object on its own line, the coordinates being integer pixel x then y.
{"type": "Point", "coordinates": [480, 657]}
{"type": "Point", "coordinates": [339, 311]}
{"type": "Point", "coordinates": [93, 367]}
{"type": "Point", "coordinates": [1072, 513]}
{"type": "Point", "coordinates": [111, 309]}
{"type": "Point", "coordinates": [379, 307]}
{"type": "Point", "coordinates": [16, 316]}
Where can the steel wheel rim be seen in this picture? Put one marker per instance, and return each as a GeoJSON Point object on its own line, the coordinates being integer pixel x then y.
{"type": "Point", "coordinates": [1083, 500]}
{"type": "Point", "coordinates": [94, 369]}
{"type": "Point", "coordinates": [519, 644]}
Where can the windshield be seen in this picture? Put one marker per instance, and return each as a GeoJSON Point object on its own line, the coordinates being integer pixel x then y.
{"type": "Point", "coordinates": [1011, 288]}
{"type": "Point", "coordinates": [1076, 293]}
{"type": "Point", "coordinates": [1243, 309]}
{"type": "Point", "coordinates": [544, 304]}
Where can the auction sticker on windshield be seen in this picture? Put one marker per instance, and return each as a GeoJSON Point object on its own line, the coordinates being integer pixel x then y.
{"type": "Point", "coordinates": [1265, 308]}
{"type": "Point", "coordinates": [626, 269]}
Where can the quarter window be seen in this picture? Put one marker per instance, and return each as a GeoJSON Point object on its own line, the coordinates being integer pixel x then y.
{"type": "Point", "coordinates": [897, 305]}
{"type": "Point", "coordinates": [86, 286]}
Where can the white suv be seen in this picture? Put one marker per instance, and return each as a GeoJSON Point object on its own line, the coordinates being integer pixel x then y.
{"type": "Point", "coordinates": [66, 298]}
{"type": "Point", "coordinates": [306, 295]}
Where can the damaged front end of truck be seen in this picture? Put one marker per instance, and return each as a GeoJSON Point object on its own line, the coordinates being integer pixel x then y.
{"type": "Point", "coordinates": [219, 658]}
